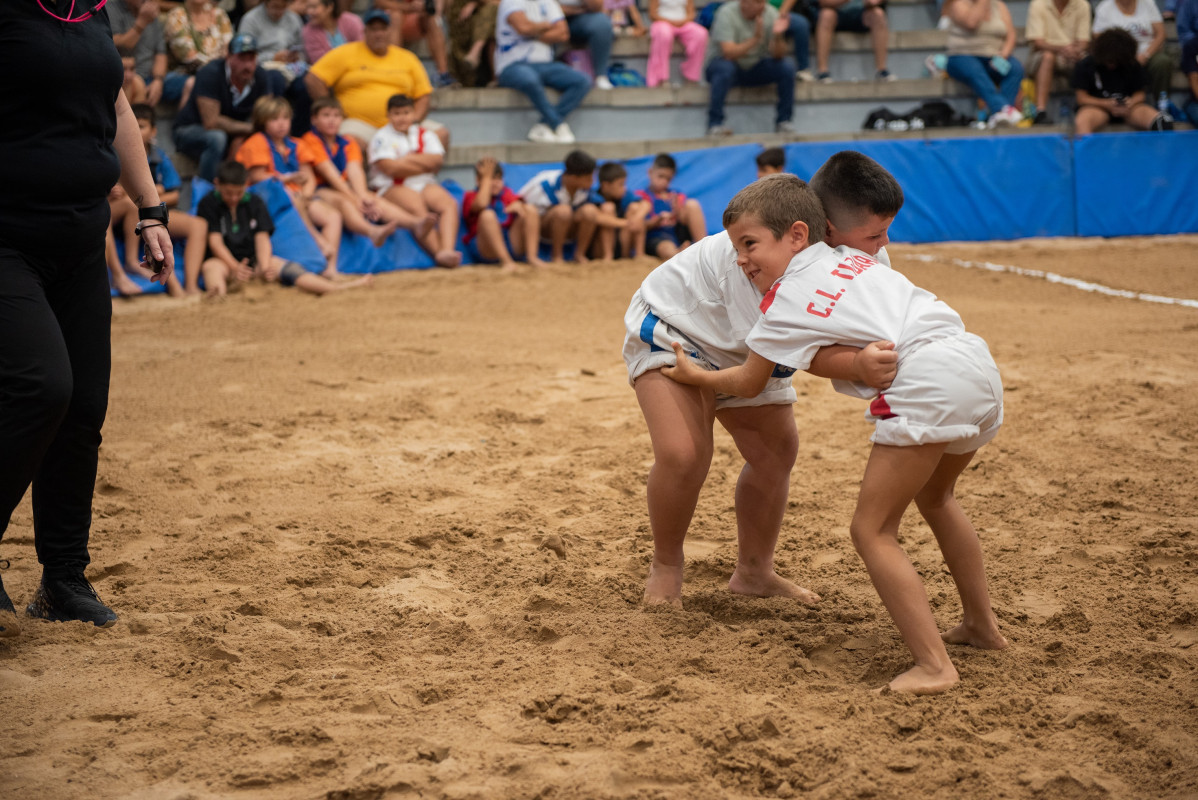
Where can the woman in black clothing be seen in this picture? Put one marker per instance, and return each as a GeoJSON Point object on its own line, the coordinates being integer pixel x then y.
{"type": "Point", "coordinates": [66, 135]}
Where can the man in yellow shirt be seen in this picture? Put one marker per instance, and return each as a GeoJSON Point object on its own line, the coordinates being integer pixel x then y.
{"type": "Point", "coordinates": [1059, 34]}
{"type": "Point", "coordinates": [363, 75]}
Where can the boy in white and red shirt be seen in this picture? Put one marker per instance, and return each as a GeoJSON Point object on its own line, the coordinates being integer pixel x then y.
{"type": "Point", "coordinates": [404, 160]}
{"type": "Point", "coordinates": [945, 401]}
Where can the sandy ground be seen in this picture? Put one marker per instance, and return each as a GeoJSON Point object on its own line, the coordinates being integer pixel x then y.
{"type": "Point", "coordinates": [392, 543]}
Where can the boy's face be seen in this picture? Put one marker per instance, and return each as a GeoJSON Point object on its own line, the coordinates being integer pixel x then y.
{"type": "Point", "coordinates": [869, 236]}
{"type": "Point", "coordinates": [767, 170]}
{"type": "Point", "coordinates": [574, 183]}
{"type": "Point", "coordinates": [614, 190]}
{"type": "Point", "coordinates": [402, 118]}
{"type": "Point", "coordinates": [279, 127]}
{"type": "Point", "coordinates": [130, 65]}
{"type": "Point", "coordinates": [496, 182]}
{"type": "Point", "coordinates": [659, 179]}
{"type": "Point", "coordinates": [762, 257]}
{"type": "Point", "coordinates": [230, 193]}
{"type": "Point", "coordinates": [148, 131]}
{"type": "Point", "coordinates": [327, 121]}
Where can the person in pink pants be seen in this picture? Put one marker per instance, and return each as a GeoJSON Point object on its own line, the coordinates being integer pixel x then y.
{"type": "Point", "coordinates": [674, 19]}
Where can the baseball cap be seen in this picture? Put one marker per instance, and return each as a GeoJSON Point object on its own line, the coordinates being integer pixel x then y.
{"type": "Point", "coordinates": [375, 15]}
{"type": "Point", "coordinates": [243, 43]}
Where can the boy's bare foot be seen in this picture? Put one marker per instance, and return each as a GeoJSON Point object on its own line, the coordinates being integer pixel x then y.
{"type": "Point", "coordinates": [582, 260]}
{"type": "Point", "coordinates": [125, 286]}
{"type": "Point", "coordinates": [536, 263]}
{"type": "Point", "coordinates": [380, 233]}
{"type": "Point", "coordinates": [509, 267]}
{"type": "Point", "coordinates": [921, 680]}
{"type": "Point", "coordinates": [664, 585]}
{"type": "Point", "coordinates": [770, 585]}
{"type": "Point", "coordinates": [983, 637]}
{"type": "Point", "coordinates": [448, 258]}
{"type": "Point", "coordinates": [364, 281]}
{"type": "Point", "coordinates": [424, 226]}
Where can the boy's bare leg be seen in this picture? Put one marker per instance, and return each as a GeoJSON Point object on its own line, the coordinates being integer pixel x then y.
{"type": "Point", "coordinates": [962, 554]}
{"type": "Point", "coordinates": [413, 204]}
{"type": "Point", "coordinates": [584, 231]}
{"type": "Point", "coordinates": [526, 237]}
{"type": "Point", "coordinates": [194, 231]}
{"type": "Point", "coordinates": [123, 284]}
{"type": "Point", "coordinates": [679, 419]}
{"type": "Point", "coordinates": [328, 219]}
{"type": "Point", "coordinates": [490, 241]}
{"type": "Point", "coordinates": [354, 220]}
{"type": "Point", "coordinates": [216, 274]}
{"type": "Point", "coordinates": [692, 217]}
{"type": "Point", "coordinates": [666, 250]}
{"type": "Point", "coordinates": [893, 476]}
{"type": "Point", "coordinates": [768, 440]}
{"type": "Point", "coordinates": [319, 284]}
{"type": "Point", "coordinates": [555, 226]}
{"type": "Point", "coordinates": [441, 203]}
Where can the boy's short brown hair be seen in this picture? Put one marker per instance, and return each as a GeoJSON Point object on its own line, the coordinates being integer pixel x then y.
{"type": "Point", "coordinates": [268, 108]}
{"type": "Point", "coordinates": [852, 185]}
{"type": "Point", "coordinates": [321, 103]}
{"type": "Point", "coordinates": [779, 201]}
{"type": "Point", "coordinates": [612, 171]}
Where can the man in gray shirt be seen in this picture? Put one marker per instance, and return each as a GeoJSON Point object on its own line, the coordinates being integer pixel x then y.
{"type": "Point", "coordinates": [743, 51]}
{"type": "Point", "coordinates": [137, 32]}
{"type": "Point", "coordinates": [278, 31]}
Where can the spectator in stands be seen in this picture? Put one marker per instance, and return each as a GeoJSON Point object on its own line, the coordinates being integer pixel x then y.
{"type": "Point", "coordinates": [1142, 19]}
{"type": "Point", "coordinates": [561, 197]}
{"type": "Point", "coordinates": [672, 220]}
{"type": "Point", "coordinates": [328, 28]}
{"type": "Point", "coordinates": [364, 75]}
{"type": "Point", "coordinates": [413, 20]}
{"type": "Point", "coordinates": [626, 19]}
{"type": "Point", "coordinates": [770, 161]}
{"type": "Point", "coordinates": [197, 33]}
{"type": "Point", "coordinates": [498, 223]}
{"type": "Point", "coordinates": [217, 113]}
{"type": "Point", "coordinates": [404, 160]}
{"type": "Point", "coordinates": [744, 51]}
{"type": "Point", "coordinates": [181, 226]}
{"type": "Point", "coordinates": [670, 20]}
{"type": "Point", "coordinates": [132, 85]}
{"type": "Point", "coordinates": [239, 246]}
{"type": "Point", "coordinates": [621, 218]}
{"type": "Point", "coordinates": [278, 30]}
{"type": "Point", "coordinates": [856, 16]}
{"type": "Point", "coordinates": [1059, 34]}
{"type": "Point", "coordinates": [472, 40]}
{"type": "Point", "coordinates": [270, 152]}
{"type": "Point", "coordinates": [525, 32]}
{"type": "Point", "coordinates": [981, 39]}
{"type": "Point", "coordinates": [1187, 35]}
{"type": "Point", "coordinates": [341, 180]}
{"type": "Point", "coordinates": [590, 28]}
{"type": "Point", "coordinates": [1110, 84]}
{"type": "Point", "coordinates": [137, 31]}
{"type": "Point", "coordinates": [794, 21]}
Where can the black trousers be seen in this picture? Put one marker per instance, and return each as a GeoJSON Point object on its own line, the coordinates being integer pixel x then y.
{"type": "Point", "coordinates": [55, 360]}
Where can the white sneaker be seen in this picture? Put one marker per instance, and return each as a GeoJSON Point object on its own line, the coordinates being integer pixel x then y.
{"type": "Point", "coordinates": [542, 134]}
{"type": "Point", "coordinates": [563, 134]}
{"type": "Point", "coordinates": [1007, 117]}
{"type": "Point", "coordinates": [602, 83]}
{"type": "Point", "coordinates": [805, 75]}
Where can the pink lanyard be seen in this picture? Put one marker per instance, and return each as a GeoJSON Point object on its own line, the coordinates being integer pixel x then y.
{"type": "Point", "coordinates": [86, 16]}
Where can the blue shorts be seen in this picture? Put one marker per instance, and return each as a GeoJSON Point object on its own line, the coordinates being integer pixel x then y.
{"type": "Point", "coordinates": [473, 256]}
{"type": "Point", "coordinates": [849, 18]}
{"type": "Point", "coordinates": [675, 234]}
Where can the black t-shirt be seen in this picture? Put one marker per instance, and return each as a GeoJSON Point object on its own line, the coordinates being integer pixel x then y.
{"type": "Point", "coordinates": [57, 123]}
{"type": "Point", "coordinates": [1099, 81]}
{"type": "Point", "coordinates": [213, 82]}
{"type": "Point", "coordinates": [238, 230]}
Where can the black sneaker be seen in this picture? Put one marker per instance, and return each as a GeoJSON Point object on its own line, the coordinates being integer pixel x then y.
{"type": "Point", "coordinates": [9, 625]}
{"type": "Point", "coordinates": [62, 598]}
{"type": "Point", "coordinates": [1041, 118]}
{"type": "Point", "coordinates": [1162, 122]}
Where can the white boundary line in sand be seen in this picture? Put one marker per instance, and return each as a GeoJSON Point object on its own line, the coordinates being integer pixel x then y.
{"type": "Point", "coordinates": [1052, 277]}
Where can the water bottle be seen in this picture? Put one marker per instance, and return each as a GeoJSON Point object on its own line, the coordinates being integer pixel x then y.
{"type": "Point", "coordinates": [1063, 112]}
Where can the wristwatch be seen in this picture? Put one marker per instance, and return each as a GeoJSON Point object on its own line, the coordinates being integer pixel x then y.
{"type": "Point", "coordinates": [156, 213]}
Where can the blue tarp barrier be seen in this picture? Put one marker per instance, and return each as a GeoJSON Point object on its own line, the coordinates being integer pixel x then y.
{"type": "Point", "coordinates": [956, 189]}
{"type": "Point", "coordinates": [1137, 184]}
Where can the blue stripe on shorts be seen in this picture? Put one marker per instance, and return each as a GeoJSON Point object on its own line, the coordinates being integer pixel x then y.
{"type": "Point", "coordinates": [647, 326]}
